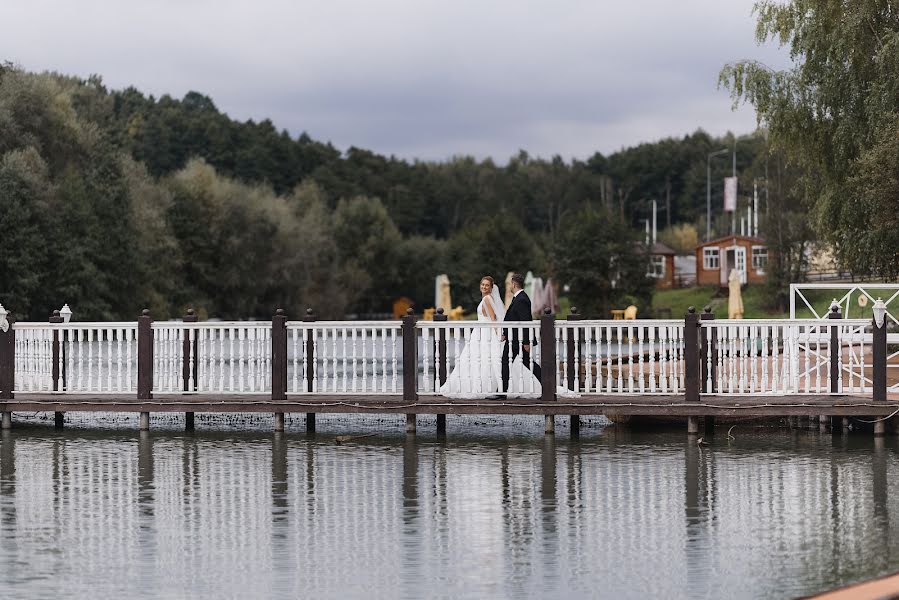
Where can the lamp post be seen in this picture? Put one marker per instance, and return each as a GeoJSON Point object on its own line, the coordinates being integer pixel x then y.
{"type": "Point", "coordinates": [708, 193]}
{"type": "Point", "coordinates": [4, 324]}
{"type": "Point", "coordinates": [66, 313]}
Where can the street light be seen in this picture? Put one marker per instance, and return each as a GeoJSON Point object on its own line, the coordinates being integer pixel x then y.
{"type": "Point", "coordinates": [66, 313]}
{"type": "Point", "coordinates": [880, 311]}
{"type": "Point", "coordinates": [708, 192]}
{"type": "Point", "coordinates": [4, 324]}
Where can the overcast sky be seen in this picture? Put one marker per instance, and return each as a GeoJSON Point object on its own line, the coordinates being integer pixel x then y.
{"type": "Point", "coordinates": [416, 78]}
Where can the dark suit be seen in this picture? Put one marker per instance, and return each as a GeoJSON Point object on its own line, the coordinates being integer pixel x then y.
{"type": "Point", "coordinates": [519, 310]}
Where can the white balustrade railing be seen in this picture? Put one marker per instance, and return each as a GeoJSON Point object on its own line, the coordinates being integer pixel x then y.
{"type": "Point", "coordinates": [476, 362]}
{"type": "Point", "coordinates": [93, 357]}
{"type": "Point", "coordinates": [463, 359]}
{"type": "Point", "coordinates": [621, 357]}
{"type": "Point", "coordinates": [786, 356]}
{"type": "Point", "coordinates": [347, 357]}
{"type": "Point", "coordinates": [221, 356]}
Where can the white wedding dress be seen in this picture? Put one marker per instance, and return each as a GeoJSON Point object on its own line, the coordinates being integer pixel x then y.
{"type": "Point", "coordinates": [478, 367]}
{"type": "Point", "coordinates": [476, 373]}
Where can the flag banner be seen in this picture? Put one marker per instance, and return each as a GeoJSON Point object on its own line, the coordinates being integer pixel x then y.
{"type": "Point", "coordinates": [730, 194]}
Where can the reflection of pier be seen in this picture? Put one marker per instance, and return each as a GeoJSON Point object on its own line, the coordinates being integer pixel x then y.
{"type": "Point", "coordinates": [493, 519]}
{"type": "Point", "coordinates": [695, 367]}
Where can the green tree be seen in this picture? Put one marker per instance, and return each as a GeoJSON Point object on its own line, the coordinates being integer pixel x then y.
{"type": "Point", "coordinates": [599, 256]}
{"type": "Point", "coordinates": [834, 114]}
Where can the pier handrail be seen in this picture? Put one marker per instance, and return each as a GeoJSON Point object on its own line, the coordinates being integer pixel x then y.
{"type": "Point", "coordinates": [755, 357]}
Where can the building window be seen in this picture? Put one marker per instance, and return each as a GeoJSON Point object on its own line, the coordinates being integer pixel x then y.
{"type": "Point", "coordinates": [759, 258]}
{"type": "Point", "coordinates": [656, 267]}
{"type": "Point", "coordinates": [710, 259]}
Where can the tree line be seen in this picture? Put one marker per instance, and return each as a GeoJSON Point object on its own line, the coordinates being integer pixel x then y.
{"type": "Point", "coordinates": [113, 201]}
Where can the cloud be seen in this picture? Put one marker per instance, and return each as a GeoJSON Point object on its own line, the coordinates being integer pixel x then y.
{"type": "Point", "coordinates": [418, 79]}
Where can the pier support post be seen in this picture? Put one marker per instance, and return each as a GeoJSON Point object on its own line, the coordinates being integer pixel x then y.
{"type": "Point", "coordinates": [189, 421]}
{"type": "Point", "coordinates": [548, 364]}
{"type": "Point", "coordinates": [880, 428]}
{"type": "Point", "coordinates": [144, 421]}
{"type": "Point", "coordinates": [59, 420]}
{"type": "Point", "coordinates": [145, 358]}
{"type": "Point", "coordinates": [7, 357]}
{"type": "Point", "coordinates": [845, 424]}
{"type": "Point", "coordinates": [410, 366]}
{"type": "Point", "coordinates": [575, 425]}
{"type": "Point", "coordinates": [441, 424]}
{"type": "Point", "coordinates": [692, 425]}
{"type": "Point", "coordinates": [6, 422]}
{"type": "Point", "coordinates": [691, 357]}
{"type": "Point", "coordinates": [279, 364]}
{"type": "Point", "coordinates": [879, 358]}
{"type": "Point", "coordinates": [310, 422]}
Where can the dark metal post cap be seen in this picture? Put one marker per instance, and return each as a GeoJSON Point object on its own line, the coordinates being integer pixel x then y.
{"type": "Point", "coordinates": [692, 310]}
{"type": "Point", "coordinates": [309, 311]}
{"type": "Point", "coordinates": [279, 312]}
{"type": "Point", "coordinates": [410, 312]}
{"type": "Point", "coordinates": [439, 311]}
{"type": "Point", "coordinates": [547, 311]}
{"type": "Point", "coordinates": [190, 311]}
{"type": "Point", "coordinates": [707, 309]}
{"type": "Point", "coordinates": [145, 312]}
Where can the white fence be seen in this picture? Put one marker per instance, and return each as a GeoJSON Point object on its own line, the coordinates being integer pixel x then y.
{"type": "Point", "coordinates": [787, 357]}
{"type": "Point", "coordinates": [455, 359]}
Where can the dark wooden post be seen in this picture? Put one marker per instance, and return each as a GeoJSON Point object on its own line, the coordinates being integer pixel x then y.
{"type": "Point", "coordinates": [7, 361]}
{"type": "Point", "coordinates": [879, 367]}
{"type": "Point", "coordinates": [691, 356]}
{"type": "Point", "coordinates": [309, 365]}
{"type": "Point", "coordinates": [440, 368]}
{"type": "Point", "coordinates": [189, 349]}
{"type": "Point", "coordinates": [707, 349]}
{"type": "Point", "coordinates": [410, 366]}
{"type": "Point", "coordinates": [55, 318]}
{"type": "Point", "coordinates": [144, 363]}
{"type": "Point", "coordinates": [835, 349]}
{"type": "Point", "coordinates": [279, 364]}
{"type": "Point", "coordinates": [548, 363]}
{"type": "Point", "coordinates": [575, 342]}
{"type": "Point", "coordinates": [835, 352]}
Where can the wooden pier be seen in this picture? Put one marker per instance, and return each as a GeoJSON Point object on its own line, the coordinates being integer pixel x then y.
{"type": "Point", "coordinates": [696, 367]}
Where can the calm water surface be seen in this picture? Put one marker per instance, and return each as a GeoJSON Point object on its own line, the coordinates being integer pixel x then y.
{"type": "Point", "coordinates": [495, 511]}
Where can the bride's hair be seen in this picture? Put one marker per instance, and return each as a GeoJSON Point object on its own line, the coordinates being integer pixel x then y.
{"type": "Point", "coordinates": [488, 278]}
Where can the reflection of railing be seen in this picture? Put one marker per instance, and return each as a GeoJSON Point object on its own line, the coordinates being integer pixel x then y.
{"type": "Point", "coordinates": [281, 359]}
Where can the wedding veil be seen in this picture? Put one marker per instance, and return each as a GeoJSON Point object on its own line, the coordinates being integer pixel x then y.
{"type": "Point", "coordinates": [498, 306]}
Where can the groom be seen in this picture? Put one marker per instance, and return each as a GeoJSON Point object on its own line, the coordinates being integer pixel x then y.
{"type": "Point", "coordinates": [519, 310]}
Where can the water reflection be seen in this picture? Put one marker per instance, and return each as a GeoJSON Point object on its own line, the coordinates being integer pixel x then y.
{"type": "Point", "coordinates": [614, 514]}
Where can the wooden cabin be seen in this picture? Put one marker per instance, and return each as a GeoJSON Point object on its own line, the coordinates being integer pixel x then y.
{"type": "Point", "coordinates": [661, 265]}
{"type": "Point", "coordinates": [715, 259]}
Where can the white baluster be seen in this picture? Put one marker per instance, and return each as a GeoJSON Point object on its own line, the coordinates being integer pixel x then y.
{"type": "Point", "coordinates": [393, 354]}
{"type": "Point", "coordinates": [363, 359]}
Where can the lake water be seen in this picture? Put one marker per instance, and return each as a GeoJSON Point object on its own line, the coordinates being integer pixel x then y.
{"type": "Point", "coordinates": [494, 510]}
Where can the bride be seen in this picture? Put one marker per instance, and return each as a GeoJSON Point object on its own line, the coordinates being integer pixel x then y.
{"type": "Point", "coordinates": [477, 372]}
